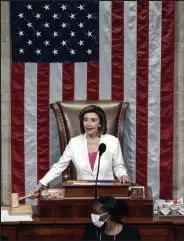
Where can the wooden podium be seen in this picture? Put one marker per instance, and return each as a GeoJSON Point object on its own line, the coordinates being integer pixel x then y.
{"type": "Point", "coordinates": [78, 200]}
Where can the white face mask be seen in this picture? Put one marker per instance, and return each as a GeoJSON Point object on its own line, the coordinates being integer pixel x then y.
{"type": "Point", "coordinates": [96, 220]}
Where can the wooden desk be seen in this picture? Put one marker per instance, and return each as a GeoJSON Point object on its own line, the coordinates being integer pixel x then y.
{"type": "Point", "coordinates": [80, 206]}
{"type": "Point", "coordinates": [72, 229]}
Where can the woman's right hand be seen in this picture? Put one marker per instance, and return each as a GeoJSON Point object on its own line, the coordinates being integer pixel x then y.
{"type": "Point", "coordinates": [35, 193]}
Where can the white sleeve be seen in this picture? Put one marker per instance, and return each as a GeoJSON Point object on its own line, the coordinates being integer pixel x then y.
{"type": "Point", "coordinates": [118, 162]}
{"type": "Point", "coordinates": [59, 166]}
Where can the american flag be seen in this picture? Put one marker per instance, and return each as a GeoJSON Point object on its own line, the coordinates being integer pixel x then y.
{"type": "Point", "coordinates": [55, 32]}
{"type": "Point", "coordinates": [90, 50]}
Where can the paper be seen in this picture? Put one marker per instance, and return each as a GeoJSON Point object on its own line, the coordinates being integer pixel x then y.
{"type": "Point", "coordinates": [93, 183]}
{"type": "Point", "coordinates": [171, 207]}
{"type": "Point", "coordinates": [159, 203]}
{"type": "Point", "coordinates": [165, 211]}
{"type": "Point", "coordinates": [5, 217]}
{"type": "Point", "coordinates": [84, 183]}
{"type": "Point", "coordinates": [181, 211]}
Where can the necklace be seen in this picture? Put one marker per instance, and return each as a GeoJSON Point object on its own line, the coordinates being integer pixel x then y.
{"type": "Point", "coordinates": [114, 233]}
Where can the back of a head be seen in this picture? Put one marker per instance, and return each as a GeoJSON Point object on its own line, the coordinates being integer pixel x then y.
{"type": "Point", "coordinates": [117, 209]}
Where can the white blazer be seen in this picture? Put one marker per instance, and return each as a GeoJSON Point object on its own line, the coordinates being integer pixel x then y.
{"type": "Point", "coordinates": [111, 162]}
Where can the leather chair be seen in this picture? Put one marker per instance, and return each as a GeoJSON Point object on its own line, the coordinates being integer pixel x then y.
{"type": "Point", "coordinates": [67, 119]}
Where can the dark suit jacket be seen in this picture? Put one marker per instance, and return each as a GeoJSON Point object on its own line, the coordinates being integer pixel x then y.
{"type": "Point", "coordinates": [128, 233]}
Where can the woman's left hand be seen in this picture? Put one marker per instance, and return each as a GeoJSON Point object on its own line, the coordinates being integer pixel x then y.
{"type": "Point", "coordinates": [124, 179]}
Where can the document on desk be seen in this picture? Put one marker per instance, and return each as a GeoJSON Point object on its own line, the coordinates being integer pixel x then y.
{"type": "Point", "coordinates": [92, 183]}
{"type": "Point", "coordinates": [5, 217]}
{"type": "Point", "coordinates": [84, 183]}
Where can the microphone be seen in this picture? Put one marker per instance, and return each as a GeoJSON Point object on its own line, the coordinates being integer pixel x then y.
{"type": "Point", "coordinates": [101, 149]}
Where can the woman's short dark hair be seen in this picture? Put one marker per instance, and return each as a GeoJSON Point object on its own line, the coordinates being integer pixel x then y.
{"type": "Point", "coordinates": [98, 111]}
{"type": "Point", "coordinates": [117, 209]}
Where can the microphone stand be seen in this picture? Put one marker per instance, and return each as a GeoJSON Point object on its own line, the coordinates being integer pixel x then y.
{"type": "Point", "coordinates": [100, 154]}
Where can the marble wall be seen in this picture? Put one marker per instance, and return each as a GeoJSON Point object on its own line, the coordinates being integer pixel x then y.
{"type": "Point", "coordinates": [178, 102]}
{"type": "Point", "coordinates": [5, 104]}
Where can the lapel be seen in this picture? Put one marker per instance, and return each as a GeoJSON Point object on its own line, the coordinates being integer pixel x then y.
{"type": "Point", "coordinates": [97, 156]}
{"type": "Point", "coordinates": [86, 157]}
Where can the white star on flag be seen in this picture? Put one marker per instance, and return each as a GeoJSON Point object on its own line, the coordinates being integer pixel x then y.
{"type": "Point", "coordinates": [29, 6]}
{"type": "Point", "coordinates": [29, 25]}
{"type": "Point", "coordinates": [63, 25]}
{"type": "Point", "coordinates": [38, 51]}
{"type": "Point", "coordinates": [81, 42]}
{"type": "Point", "coordinates": [46, 25]}
{"type": "Point", "coordinates": [89, 16]}
{"type": "Point", "coordinates": [89, 34]}
{"type": "Point", "coordinates": [38, 15]}
{"type": "Point", "coordinates": [38, 34]}
{"type": "Point", "coordinates": [21, 51]}
{"type": "Point", "coordinates": [55, 51]}
{"type": "Point", "coordinates": [72, 34]}
{"type": "Point", "coordinates": [81, 7]}
{"type": "Point", "coordinates": [81, 25]}
{"type": "Point", "coordinates": [46, 7]}
{"type": "Point", "coordinates": [21, 33]}
{"type": "Point", "coordinates": [55, 34]}
{"type": "Point", "coordinates": [72, 16]}
{"type": "Point", "coordinates": [72, 51]}
{"type": "Point", "coordinates": [29, 42]}
{"type": "Point", "coordinates": [47, 42]}
{"type": "Point", "coordinates": [55, 16]}
{"type": "Point", "coordinates": [89, 51]}
{"type": "Point", "coordinates": [63, 7]}
{"type": "Point", "coordinates": [63, 42]}
{"type": "Point", "coordinates": [20, 15]}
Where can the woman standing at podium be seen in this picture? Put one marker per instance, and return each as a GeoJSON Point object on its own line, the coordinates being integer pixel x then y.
{"type": "Point", "coordinates": [107, 221]}
{"type": "Point", "coordinates": [82, 150]}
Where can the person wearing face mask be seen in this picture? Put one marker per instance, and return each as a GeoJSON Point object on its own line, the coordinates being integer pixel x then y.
{"type": "Point", "coordinates": [82, 150]}
{"type": "Point", "coordinates": [107, 221]}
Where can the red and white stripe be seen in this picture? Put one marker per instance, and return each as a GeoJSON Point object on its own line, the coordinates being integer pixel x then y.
{"type": "Point", "coordinates": [136, 65]}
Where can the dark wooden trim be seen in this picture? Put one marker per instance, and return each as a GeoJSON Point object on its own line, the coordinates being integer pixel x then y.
{"type": "Point", "coordinates": [73, 228]}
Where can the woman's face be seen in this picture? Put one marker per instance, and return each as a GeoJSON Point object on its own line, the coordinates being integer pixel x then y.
{"type": "Point", "coordinates": [91, 124]}
{"type": "Point", "coordinates": [98, 209]}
